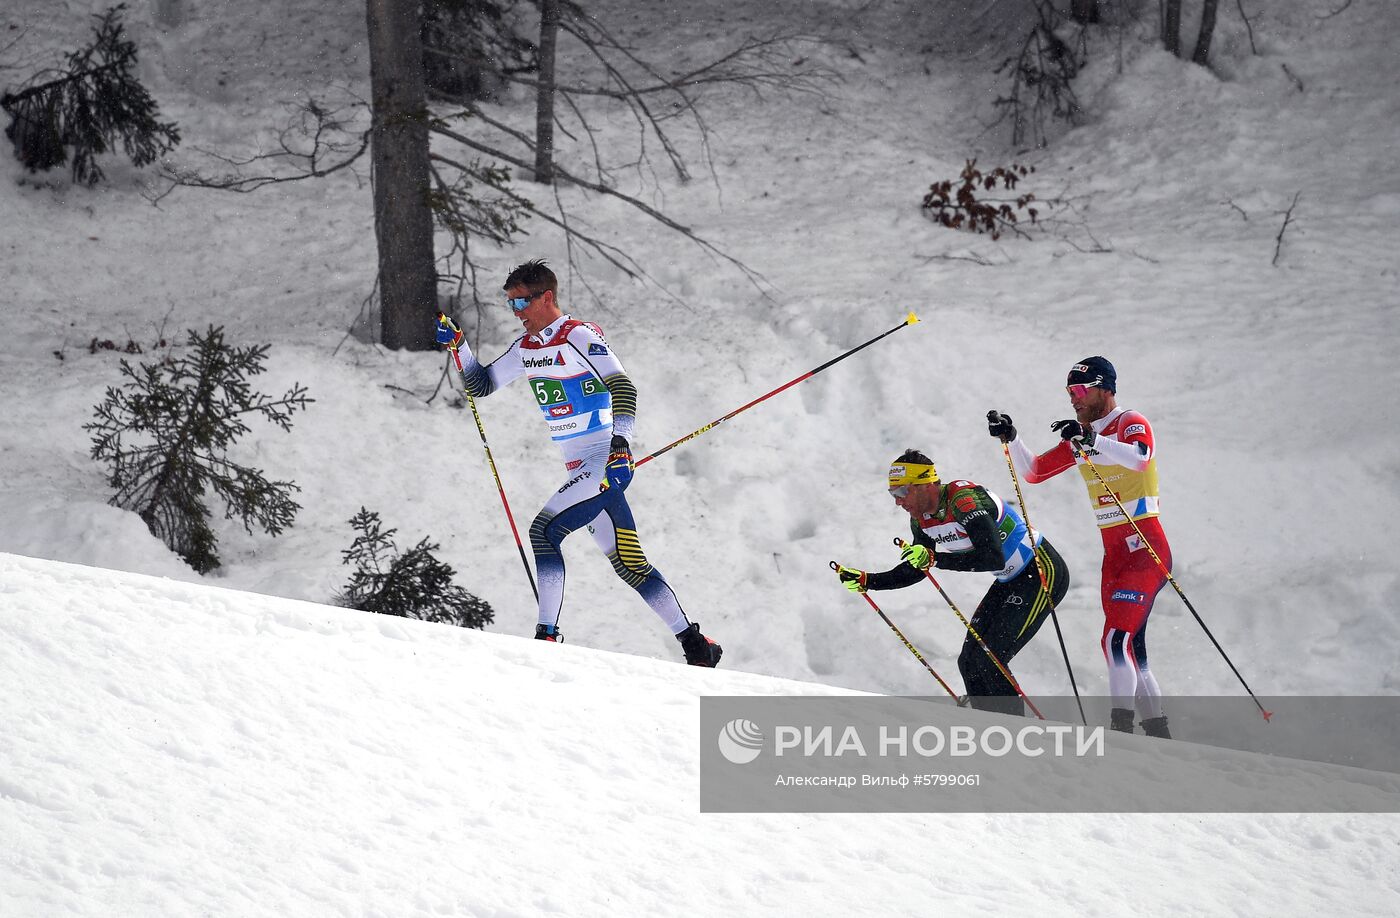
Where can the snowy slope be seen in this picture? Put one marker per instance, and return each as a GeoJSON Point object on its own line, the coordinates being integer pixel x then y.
{"type": "Point", "coordinates": [173, 749]}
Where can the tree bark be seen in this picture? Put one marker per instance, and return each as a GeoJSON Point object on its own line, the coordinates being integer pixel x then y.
{"type": "Point", "coordinates": [1171, 27]}
{"type": "Point", "coordinates": [403, 220]}
{"type": "Point", "coordinates": [544, 97]}
{"type": "Point", "coordinates": [1202, 54]}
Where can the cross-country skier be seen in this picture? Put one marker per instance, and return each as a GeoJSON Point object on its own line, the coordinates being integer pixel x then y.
{"type": "Point", "coordinates": [590, 405]}
{"type": "Point", "coordinates": [1120, 444]}
{"type": "Point", "coordinates": [961, 526]}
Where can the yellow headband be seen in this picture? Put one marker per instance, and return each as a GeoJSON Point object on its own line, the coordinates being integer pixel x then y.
{"type": "Point", "coordinates": [912, 473]}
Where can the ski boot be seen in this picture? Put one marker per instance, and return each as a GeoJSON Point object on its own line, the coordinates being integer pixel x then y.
{"type": "Point", "coordinates": [1157, 726]}
{"type": "Point", "coordinates": [548, 633]}
{"type": "Point", "coordinates": [699, 650]}
{"type": "Point", "coordinates": [1121, 719]}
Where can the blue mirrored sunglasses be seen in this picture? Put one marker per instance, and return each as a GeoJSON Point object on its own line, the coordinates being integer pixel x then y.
{"type": "Point", "coordinates": [900, 492]}
{"type": "Point", "coordinates": [518, 303]}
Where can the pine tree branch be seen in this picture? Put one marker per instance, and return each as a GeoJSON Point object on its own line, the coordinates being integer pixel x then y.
{"type": "Point", "coordinates": [11, 99]}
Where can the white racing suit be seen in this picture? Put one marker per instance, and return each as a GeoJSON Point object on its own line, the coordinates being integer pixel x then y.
{"type": "Point", "coordinates": [586, 398]}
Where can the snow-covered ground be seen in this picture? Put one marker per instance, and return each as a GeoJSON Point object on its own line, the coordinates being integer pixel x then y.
{"type": "Point", "coordinates": [174, 750]}
{"type": "Point", "coordinates": [1271, 388]}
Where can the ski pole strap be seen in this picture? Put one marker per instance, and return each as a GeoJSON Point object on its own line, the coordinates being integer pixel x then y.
{"type": "Point", "coordinates": [445, 322]}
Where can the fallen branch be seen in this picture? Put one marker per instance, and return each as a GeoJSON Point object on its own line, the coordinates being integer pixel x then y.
{"type": "Point", "coordinates": [1287, 219]}
{"type": "Point", "coordinates": [974, 258]}
{"type": "Point", "coordinates": [1249, 27]}
{"type": "Point", "coordinates": [1244, 216]}
{"type": "Point", "coordinates": [1293, 76]}
{"type": "Point", "coordinates": [1340, 9]}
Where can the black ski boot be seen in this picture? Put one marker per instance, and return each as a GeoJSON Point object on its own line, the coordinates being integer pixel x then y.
{"type": "Point", "coordinates": [1121, 719]}
{"type": "Point", "coordinates": [699, 650]}
{"type": "Point", "coordinates": [548, 633]}
{"type": "Point", "coordinates": [1157, 726]}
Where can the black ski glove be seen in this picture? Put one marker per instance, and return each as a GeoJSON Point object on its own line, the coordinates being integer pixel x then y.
{"type": "Point", "coordinates": [618, 472]}
{"type": "Point", "coordinates": [1000, 426]}
{"type": "Point", "coordinates": [1074, 431]}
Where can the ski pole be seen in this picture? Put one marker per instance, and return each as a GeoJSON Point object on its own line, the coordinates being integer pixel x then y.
{"type": "Point", "coordinates": [912, 649]}
{"type": "Point", "coordinates": [911, 319]}
{"type": "Point", "coordinates": [1044, 582]}
{"type": "Point", "coordinates": [1079, 450]}
{"type": "Point", "coordinates": [1006, 673]}
{"type": "Point", "coordinates": [490, 460]}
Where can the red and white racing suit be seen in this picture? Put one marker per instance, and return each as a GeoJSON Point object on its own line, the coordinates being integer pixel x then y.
{"type": "Point", "coordinates": [1124, 455]}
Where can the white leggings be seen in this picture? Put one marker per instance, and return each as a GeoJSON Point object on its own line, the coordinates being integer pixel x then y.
{"type": "Point", "coordinates": [1130, 680]}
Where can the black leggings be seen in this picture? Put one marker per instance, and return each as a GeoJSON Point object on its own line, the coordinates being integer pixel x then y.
{"type": "Point", "coordinates": [1007, 618]}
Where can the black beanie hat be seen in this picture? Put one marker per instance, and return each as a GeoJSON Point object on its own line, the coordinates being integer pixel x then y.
{"type": "Point", "coordinates": [1094, 371]}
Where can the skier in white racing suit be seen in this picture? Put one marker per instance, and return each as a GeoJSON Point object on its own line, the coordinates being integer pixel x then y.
{"type": "Point", "coordinates": [590, 405]}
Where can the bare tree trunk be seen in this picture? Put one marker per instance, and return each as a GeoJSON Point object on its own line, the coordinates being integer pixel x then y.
{"type": "Point", "coordinates": [403, 221]}
{"type": "Point", "coordinates": [1202, 55]}
{"type": "Point", "coordinates": [1171, 27]}
{"type": "Point", "coordinates": [544, 98]}
{"type": "Point", "coordinates": [1084, 11]}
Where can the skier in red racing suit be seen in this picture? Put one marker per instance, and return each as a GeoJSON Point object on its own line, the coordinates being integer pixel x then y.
{"type": "Point", "coordinates": [1119, 442]}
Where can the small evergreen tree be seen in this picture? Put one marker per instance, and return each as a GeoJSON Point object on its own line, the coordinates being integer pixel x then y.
{"type": "Point", "coordinates": [94, 103]}
{"type": "Point", "coordinates": [185, 414]}
{"type": "Point", "coordinates": [414, 584]}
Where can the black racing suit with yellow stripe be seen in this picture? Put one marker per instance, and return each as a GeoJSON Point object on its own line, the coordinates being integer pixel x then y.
{"type": "Point", "coordinates": [972, 529]}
